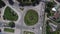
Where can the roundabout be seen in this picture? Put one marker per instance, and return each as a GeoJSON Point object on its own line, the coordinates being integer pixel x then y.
{"type": "Point", "coordinates": [31, 17]}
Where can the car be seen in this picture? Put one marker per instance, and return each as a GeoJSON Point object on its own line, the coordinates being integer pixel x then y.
{"type": "Point", "coordinates": [0, 30]}
{"type": "Point", "coordinates": [40, 28]}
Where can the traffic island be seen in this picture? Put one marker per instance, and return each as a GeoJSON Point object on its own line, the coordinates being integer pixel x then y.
{"type": "Point", "coordinates": [28, 32]}
{"type": "Point", "coordinates": [9, 14]}
{"type": "Point", "coordinates": [9, 30]}
{"type": "Point", "coordinates": [31, 17]}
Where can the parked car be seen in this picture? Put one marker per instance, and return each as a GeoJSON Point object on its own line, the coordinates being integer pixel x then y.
{"type": "Point", "coordinates": [0, 30]}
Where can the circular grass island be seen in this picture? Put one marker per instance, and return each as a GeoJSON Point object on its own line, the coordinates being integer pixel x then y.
{"type": "Point", "coordinates": [31, 17]}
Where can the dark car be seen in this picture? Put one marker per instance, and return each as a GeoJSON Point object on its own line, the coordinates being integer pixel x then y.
{"type": "Point", "coordinates": [0, 30]}
{"type": "Point", "coordinates": [11, 2]}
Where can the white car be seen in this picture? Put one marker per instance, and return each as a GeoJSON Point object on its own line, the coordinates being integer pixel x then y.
{"type": "Point", "coordinates": [40, 28]}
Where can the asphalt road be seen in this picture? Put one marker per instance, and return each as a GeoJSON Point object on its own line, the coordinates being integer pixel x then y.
{"type": "Point", "coordinates": [20, 23]}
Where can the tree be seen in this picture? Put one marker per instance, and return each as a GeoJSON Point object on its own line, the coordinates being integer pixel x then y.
{"type": "Point", "coordinates": [2, 4]}
{"type": "Point", "coordinates": [11, 24]}
{"type": "Point", "coordinates": [47, 10]}
{"type": "Point", "coordinates": [50, 4]}
{"type": "Point", "coordinates": [11, 2]}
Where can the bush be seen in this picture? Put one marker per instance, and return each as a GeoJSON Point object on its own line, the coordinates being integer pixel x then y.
{"type": "Point", "coordinates": [11, 24]}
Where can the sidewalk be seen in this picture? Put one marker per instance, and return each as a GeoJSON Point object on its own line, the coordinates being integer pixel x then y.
{"type": "Point", "coordinates": [17, 31]}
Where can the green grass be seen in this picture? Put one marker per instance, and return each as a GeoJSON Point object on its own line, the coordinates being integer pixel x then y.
{"type": "Point", "coordinates": [8, 30]}
{"type": "Point", "coordinates": [9, 14]}
{"type": "Point", "coordinates": [31, 17]}
{"type": "Point", "coordinates": [48, 28]}
{"type": "Point", "coordinates": [27, 32]}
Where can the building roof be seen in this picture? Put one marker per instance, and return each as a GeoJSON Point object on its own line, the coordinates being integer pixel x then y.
{"type": "Point", "coordinates": [56, 15]}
